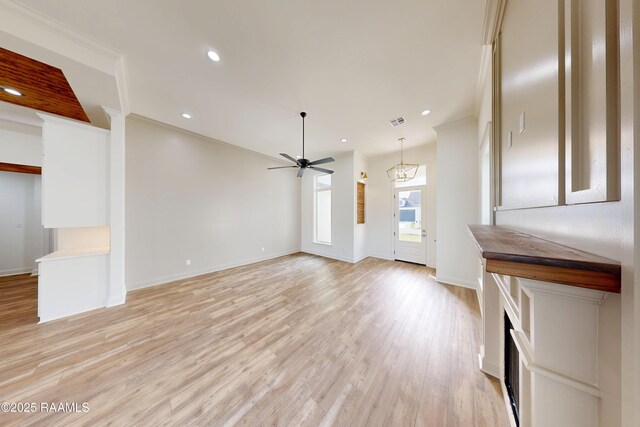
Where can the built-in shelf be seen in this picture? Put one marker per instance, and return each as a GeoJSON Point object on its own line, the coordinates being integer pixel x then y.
{"type": "Point", "coordinates": [74, 253]}
{"type": "Point", "coordinates": [510, 252]}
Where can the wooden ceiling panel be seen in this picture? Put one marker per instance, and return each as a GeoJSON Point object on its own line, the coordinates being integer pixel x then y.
{"type": "Point", "coordinates": [44, 88]}
{"type": "Point", "coordinates": [12, 167]}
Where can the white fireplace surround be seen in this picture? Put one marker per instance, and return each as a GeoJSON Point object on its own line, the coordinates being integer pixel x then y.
{"type": "Point", "coordinates": [556, 333]}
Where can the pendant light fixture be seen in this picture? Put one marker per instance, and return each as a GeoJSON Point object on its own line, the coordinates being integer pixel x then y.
{"type": "Point", "coordinates": [402, 172]}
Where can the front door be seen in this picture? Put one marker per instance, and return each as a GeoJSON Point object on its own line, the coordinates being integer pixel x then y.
{"type": "Point", "coordinates": [410, 224]}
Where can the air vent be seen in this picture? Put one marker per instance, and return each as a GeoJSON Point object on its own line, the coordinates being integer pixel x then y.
{"type": "Point", "coordinates": [397, 121]}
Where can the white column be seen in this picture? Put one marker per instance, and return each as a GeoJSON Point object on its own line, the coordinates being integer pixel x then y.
{"type": "Point", "coordinates": [490, 351]}
{"type": "Point", "coordinates": [116, 164]}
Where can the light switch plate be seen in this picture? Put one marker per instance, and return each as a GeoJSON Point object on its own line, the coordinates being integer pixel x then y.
{"type": "Point", "coordinates": [522, 123]}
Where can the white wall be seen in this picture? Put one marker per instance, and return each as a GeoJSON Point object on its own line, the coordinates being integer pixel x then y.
{"type": "Point", "coordinates": [379, 201]}
{"type": "Point", "coordinates": [190, 197]}
{"type": "Point", "coordinates": [20, 144]}
{"type": "Point", "coordinates": [343, 211]}
{"type": "Point", "coordinates": [458, 202]}
{"type": "Point", "coordinates": [595, 227]}
{"type": "Point", "coordinates": [22, 238]}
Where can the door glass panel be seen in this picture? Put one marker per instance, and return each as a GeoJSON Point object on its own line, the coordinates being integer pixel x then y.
{"type": "Point", "coordinates": [410, 216]}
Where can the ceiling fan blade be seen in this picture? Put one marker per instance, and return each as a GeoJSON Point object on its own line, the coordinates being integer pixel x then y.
{"type": "Point", "coordinates": [282, 167]}
{"type": "Point", "coordinates": [286, 156]}
{"type": "Point", "coordinates": [321, 170]}
{"type": "Point", "coordinates": [301, 172]}
{"type": "Point", "coordinates": [321, 161]}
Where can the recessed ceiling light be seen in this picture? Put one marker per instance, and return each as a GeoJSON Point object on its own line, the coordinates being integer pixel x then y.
{"type": "Point", "coordinates": [343, 140]}
{"type": "Point", "coordinates": [298, 157]}
{"type": "Point", "coordinates": [12, 91]}
{"type": "Point", "coordinates": [186, 115]}
{"type": "Point", "coordinates": [426, 112]}
{"type": "Point", "coordinates": [213, 56]}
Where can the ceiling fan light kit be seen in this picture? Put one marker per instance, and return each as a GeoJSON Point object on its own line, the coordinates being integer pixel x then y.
{"type": "Point", "coordinates": [402, 172]}
{"type": "Point", "coordinates": [302, 163]}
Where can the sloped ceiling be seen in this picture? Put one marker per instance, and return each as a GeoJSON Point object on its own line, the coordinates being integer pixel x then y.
{"type": "Point", "coordinates": [352, 65]}
{"type": "Point", "coordinates": [92, 87]}
{"type": "Point", "coordinates": [41, 86]}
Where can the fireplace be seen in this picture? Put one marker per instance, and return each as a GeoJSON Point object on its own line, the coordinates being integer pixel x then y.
{"type": "Point", "coordinates": [545, 351]}
{"type": "Point", "coordinates": [511, 369]}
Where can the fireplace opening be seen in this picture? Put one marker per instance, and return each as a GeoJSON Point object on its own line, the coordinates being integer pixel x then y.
{"type": "Point", "coordinates": [511, 369]}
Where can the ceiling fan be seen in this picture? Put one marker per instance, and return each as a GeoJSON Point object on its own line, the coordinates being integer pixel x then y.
{"type": "Point", "coordinates": [303, 163]}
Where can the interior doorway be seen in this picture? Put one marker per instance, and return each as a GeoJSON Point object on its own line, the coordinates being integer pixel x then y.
{"type": "Point", "coordinates": [23, 239]}
{"type": "Point", "coordinates": [410, 220]}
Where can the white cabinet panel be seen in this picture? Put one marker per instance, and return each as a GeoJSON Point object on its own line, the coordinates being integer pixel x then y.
{"type": "Point", "coordinates": [74, 174]}
{"type": "Point", "coordinates": [591, 101]}
{"type": "Point", "coordinates": [529, 67]}
{"type": "Point", "coordinates": [71, 285]}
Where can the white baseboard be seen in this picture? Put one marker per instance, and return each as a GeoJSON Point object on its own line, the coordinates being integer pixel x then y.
{"type": "Point", "coordinates": [116, 300]}
{"type": "Point", "coordinates": [360, 258]}
{"type": "Point", "coordinates": [193, 273]}
{"type": "Point", "coordinates": [48, 318]}
{"type": "Point", "coordinates": [380, 256]}
{"type": "Point", "coordinates": [16, 271]}
{"type": "Point", "coordinates": [488, 367]}
{"type": "Point", "coordinates": [328, 255]}
{"type": "Point", "coordinates": [456, 281]}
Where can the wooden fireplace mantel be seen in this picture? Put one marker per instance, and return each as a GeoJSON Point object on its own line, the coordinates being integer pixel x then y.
{"type": "Point", "coordinates": [517, 254]}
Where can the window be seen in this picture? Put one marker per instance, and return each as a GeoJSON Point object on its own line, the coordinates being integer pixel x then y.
{"type": "Point", "coordinates": [410, 216]}
{"type": "Point", "coordinates": [322, 189]}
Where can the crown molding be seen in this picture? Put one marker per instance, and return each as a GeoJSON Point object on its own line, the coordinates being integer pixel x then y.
{"type": "Point", "coordinates": [36, 28]}
{"type": "Point", "coordinates": [456, 123]}
{"type": "Point", "coordinates": [485, 66]}
{"type": "Point", "coordinates": [493, 14]}
{"type": "Point", "coordinates": [111, 112]}
{"type": "Point", "coordinates": [50, 118]}
{"type": "Point", "coordinates": [122, 82]}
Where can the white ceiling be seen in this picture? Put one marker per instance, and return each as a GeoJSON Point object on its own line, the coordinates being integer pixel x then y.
{"type": "Point", "coordinates": [352, 65]}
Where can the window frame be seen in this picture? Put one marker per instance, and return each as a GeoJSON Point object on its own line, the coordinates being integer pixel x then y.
{"type": "Point", "coordinates": [316, 191]}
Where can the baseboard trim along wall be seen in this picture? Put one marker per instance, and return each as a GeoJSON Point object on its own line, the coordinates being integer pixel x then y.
{"type": "Point", "coordinates": [486, 366]}
{"type": "Point", "coordinates": [200, 272]}
{"type": "Point", "coordinates": [16, 271]}
{"type": "Point", "coordinates": [336, 257]}
{"type": "Point", "coordinates": [456, 282]}
{"type": "Point", "coordinates": [188, 274]}
{"type": "Point", "coordinates": [386, 257]}
{"type": "Point", "coordinates": [116, 300]}
{"type": "Point", "coordinates": [356, 260]}
{"type": "Point", "coordinates": [330, 256]}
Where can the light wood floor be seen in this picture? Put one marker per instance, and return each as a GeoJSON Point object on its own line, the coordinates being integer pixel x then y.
{"type": "Point", "coordinates": [299, 340]}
